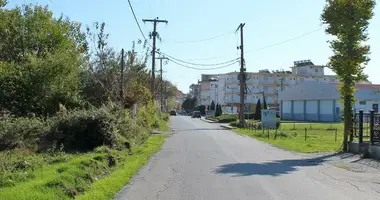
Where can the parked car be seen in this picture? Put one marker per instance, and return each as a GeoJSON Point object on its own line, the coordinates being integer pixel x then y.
{"type": "Point", "coordinates": [173, 113]}
{"type": "Point", "coordinates": [196, 114]}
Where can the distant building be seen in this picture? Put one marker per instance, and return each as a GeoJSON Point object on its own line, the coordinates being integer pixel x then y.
{"type": "Point", "coordinates": [321, 101]}
{"type": "Point", "coordinates": [225, 88]}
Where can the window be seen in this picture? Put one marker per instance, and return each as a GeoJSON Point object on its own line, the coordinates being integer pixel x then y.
{"type": "Point", "coordinates": [265, 88]}
{"type": "Point", "coordinates": [316, 70]}
{"type": "Point", "coordinates": [362, 103]}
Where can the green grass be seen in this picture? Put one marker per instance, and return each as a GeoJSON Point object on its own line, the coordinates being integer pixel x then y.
{"type": "Point", "coordinates": [318, 139]}
{"type": "Point", "coordinates": [96, 175]}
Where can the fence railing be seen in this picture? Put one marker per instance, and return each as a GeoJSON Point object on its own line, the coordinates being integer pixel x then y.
{"type": "Point", "coordinates": [366, 127]}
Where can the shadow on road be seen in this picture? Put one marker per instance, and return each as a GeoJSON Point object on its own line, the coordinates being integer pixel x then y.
{"type": "Point", "coordinates": [275, 168]}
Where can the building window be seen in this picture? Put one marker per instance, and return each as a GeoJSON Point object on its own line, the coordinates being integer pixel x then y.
{"type": "Point", "coordinates": [265, 88]}
{"type": "Point", "coordinates": [362, 103]}
{"type": "Point", "coordinates": [265, 78]}
{"type": "Point", "coordinates": [316, 70]}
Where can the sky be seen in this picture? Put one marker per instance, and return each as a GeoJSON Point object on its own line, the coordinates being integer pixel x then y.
{"type": "Point", "coordinates": [268, 24]}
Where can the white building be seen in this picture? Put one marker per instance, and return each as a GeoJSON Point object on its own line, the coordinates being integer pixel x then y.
{"type": "Point", "coordinates": [321, 101]}
{"type": "Point", "coordinates": [225, 88]}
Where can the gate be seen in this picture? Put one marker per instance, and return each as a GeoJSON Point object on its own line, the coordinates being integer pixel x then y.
{"type": "Point", "coordinates": [366, 127]}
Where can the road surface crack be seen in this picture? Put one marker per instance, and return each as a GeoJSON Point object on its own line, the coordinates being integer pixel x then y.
{"type": "Point", "coordinates": [166, 185]}
{"type": "Point", "coordinates": [337, 179]}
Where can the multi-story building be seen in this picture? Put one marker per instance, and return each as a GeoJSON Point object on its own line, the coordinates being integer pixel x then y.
{"type": "Point", "coordinates": [269, 84]}
{"type": "Point", "coordinates": [225, 88]}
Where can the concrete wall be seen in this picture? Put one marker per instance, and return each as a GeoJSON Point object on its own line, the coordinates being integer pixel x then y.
{"type": "Point", "coordinates": [312, 110]}
{"type": "Point", "coordinates": [309, 110]}
{"type": "Point", "coordinates": [327, 110]}
{"type": "Point", "coordinates": [298, 110]}
{"type": "Point", "coordinates": [286, 110]}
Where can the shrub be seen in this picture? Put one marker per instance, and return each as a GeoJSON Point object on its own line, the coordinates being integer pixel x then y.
{"type": "Point", "coordinates": [235, 124]}
{"type": "Point", "coordinates": [81, 130]}
{"type": "Point", "coordinates": [21, 132]}
{"type": "Point", "coordinates": [227, 118]}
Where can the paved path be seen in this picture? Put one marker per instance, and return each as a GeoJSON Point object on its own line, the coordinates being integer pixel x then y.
{"type": "Point", "coordinates": [201, 162]}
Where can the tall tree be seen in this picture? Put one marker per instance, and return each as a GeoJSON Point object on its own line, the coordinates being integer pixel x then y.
{"type": "Point", "coordinates": [348, 21]}
{"type": "Point", "coordinates": [212, 106]}
{"type": "Point", "coordinates": [265, 104]}
{"type": "Point", "coordinates": [258, 111]}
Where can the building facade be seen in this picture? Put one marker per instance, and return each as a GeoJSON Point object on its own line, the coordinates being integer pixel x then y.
{"type": "Point", "coordinates": [321, 101]}
{"type": "Point", "coordinates": [225, 88]}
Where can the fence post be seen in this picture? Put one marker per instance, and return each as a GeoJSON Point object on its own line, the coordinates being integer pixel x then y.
{"type": "Point", "coordinates": [360, 127]}
{"type": "Point", "coordinates": [305, 133]}
{"type": "Point", "coordinates": [336, 134]}
{"type": "Point", "coordinates": [371, 126]}
{"type": "Point", "coordinates": [354, 128]}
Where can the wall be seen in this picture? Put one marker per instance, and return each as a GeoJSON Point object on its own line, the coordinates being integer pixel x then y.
{"type": "Point", "coordinates": [312, 110]}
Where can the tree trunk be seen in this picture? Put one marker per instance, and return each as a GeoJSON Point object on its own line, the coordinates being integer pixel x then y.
{"type": "Point", "coordinates": [348, 123]}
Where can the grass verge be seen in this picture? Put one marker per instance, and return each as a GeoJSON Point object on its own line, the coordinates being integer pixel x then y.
{"type": "Point", "coordinates": [96, 175]}
{"type": "Point", "coordinates": [313, 140]}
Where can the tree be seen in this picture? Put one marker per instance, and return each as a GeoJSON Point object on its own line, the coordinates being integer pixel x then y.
{"type": "Point", "coordinates": [348, 21]}
{"type": "Point", "coordinates": [189, 104]}
{"type": "Point", "coordinates": [217, 114]}
{"type": "Point", "coordinates": [258, 111]}
{"type": "Point", "coordinates": [41, 61]}
{"type": "Point", "coordinates": [265, 104]}
{"type": "Point", "coordinates": [220, 110]}
{"type": "Point", "coordinates": [212, 106]}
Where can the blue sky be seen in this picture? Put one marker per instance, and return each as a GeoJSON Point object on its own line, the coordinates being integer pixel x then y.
{"type": "Point", "coordinates": [267, 22]}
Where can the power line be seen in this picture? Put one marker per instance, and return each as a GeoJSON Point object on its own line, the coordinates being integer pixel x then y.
{"type": "Point", "coordinates": [203, 69]}
{"type": "Point", "coordinates": [202, 40]}
{"type": "Point", "coordinates": [137, 22]}
{"type": "Point", "coordinates": [198, 64]}
{"type": "Point", "coordinates": [265, 47]}
{"type": "Point", "coordinates": [286, 41]}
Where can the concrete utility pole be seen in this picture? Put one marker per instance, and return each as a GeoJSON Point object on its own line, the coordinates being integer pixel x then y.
{"type": "Point", "coordinates": [154, 34]}
{"type": "Point", "coordinates": [162, 83]}
{"type": "Point", "coordinates": [122, 76]}
{"type": "Point", "coordinates": [242, 78]}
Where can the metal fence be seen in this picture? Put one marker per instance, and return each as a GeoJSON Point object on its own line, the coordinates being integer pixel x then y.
{"type": "Point", "coordinates": [366, 127]}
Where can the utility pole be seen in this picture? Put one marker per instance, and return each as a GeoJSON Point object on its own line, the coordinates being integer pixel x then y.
{"type": "Point", "coordinates": [154, 34]}
{"type": "Point", "coordinates": [161, 82]}
{"type": "Point", "coordinates": [242, 77]}
{"type": "Point", "coordinates": [122, 76]}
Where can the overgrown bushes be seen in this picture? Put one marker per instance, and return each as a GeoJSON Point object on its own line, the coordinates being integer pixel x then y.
{"type": "Point", "coordinates": [79, 130]}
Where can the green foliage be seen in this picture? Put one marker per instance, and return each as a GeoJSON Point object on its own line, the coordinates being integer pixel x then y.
{"type": "Point", "coordinates": [220, 110]}
{"type": "Point", "coordinates": [348, 21]}
{"type": "Point", "coordinates": [217, 114]}
{"type": "Point", "coordinates": [189, 104]}
{"type": "Point", "coordinates": [32, 30]}
{"type": "Point", "coordinates": [258, 111]}
{"type": "Point", "coordinates": [265, 104]}
{"type": "Point", "coordinates": [212, 106]}
{"type": "Point", "coordinates": [21, 132]}
{"type": "Point", "coordinates": [40, 85]}
{"type": "Point", "coordinates": [227, 118]}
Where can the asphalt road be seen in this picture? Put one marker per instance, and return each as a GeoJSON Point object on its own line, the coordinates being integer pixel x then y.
{"type": "Point", "coordinates": [201, 162]}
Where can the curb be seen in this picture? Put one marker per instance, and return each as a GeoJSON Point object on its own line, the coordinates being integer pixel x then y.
{"type": "Point", "coordinates": [228, 127]}
{"type": "Point", "coordinates": [208, 121]}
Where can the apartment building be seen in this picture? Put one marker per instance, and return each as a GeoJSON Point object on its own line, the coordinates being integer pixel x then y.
{"type": "Point", "coordinates": [225, 88]}
{"type": "Point", "coordinates": [269, 84]}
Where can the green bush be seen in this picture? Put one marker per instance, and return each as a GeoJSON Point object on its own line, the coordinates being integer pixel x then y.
{"type": "Point", "coordinates": [21, 132]}
{"type": "Point", "coordinates": [234, 124]}
{"type": "Point", "coordinates": [227, 118]}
